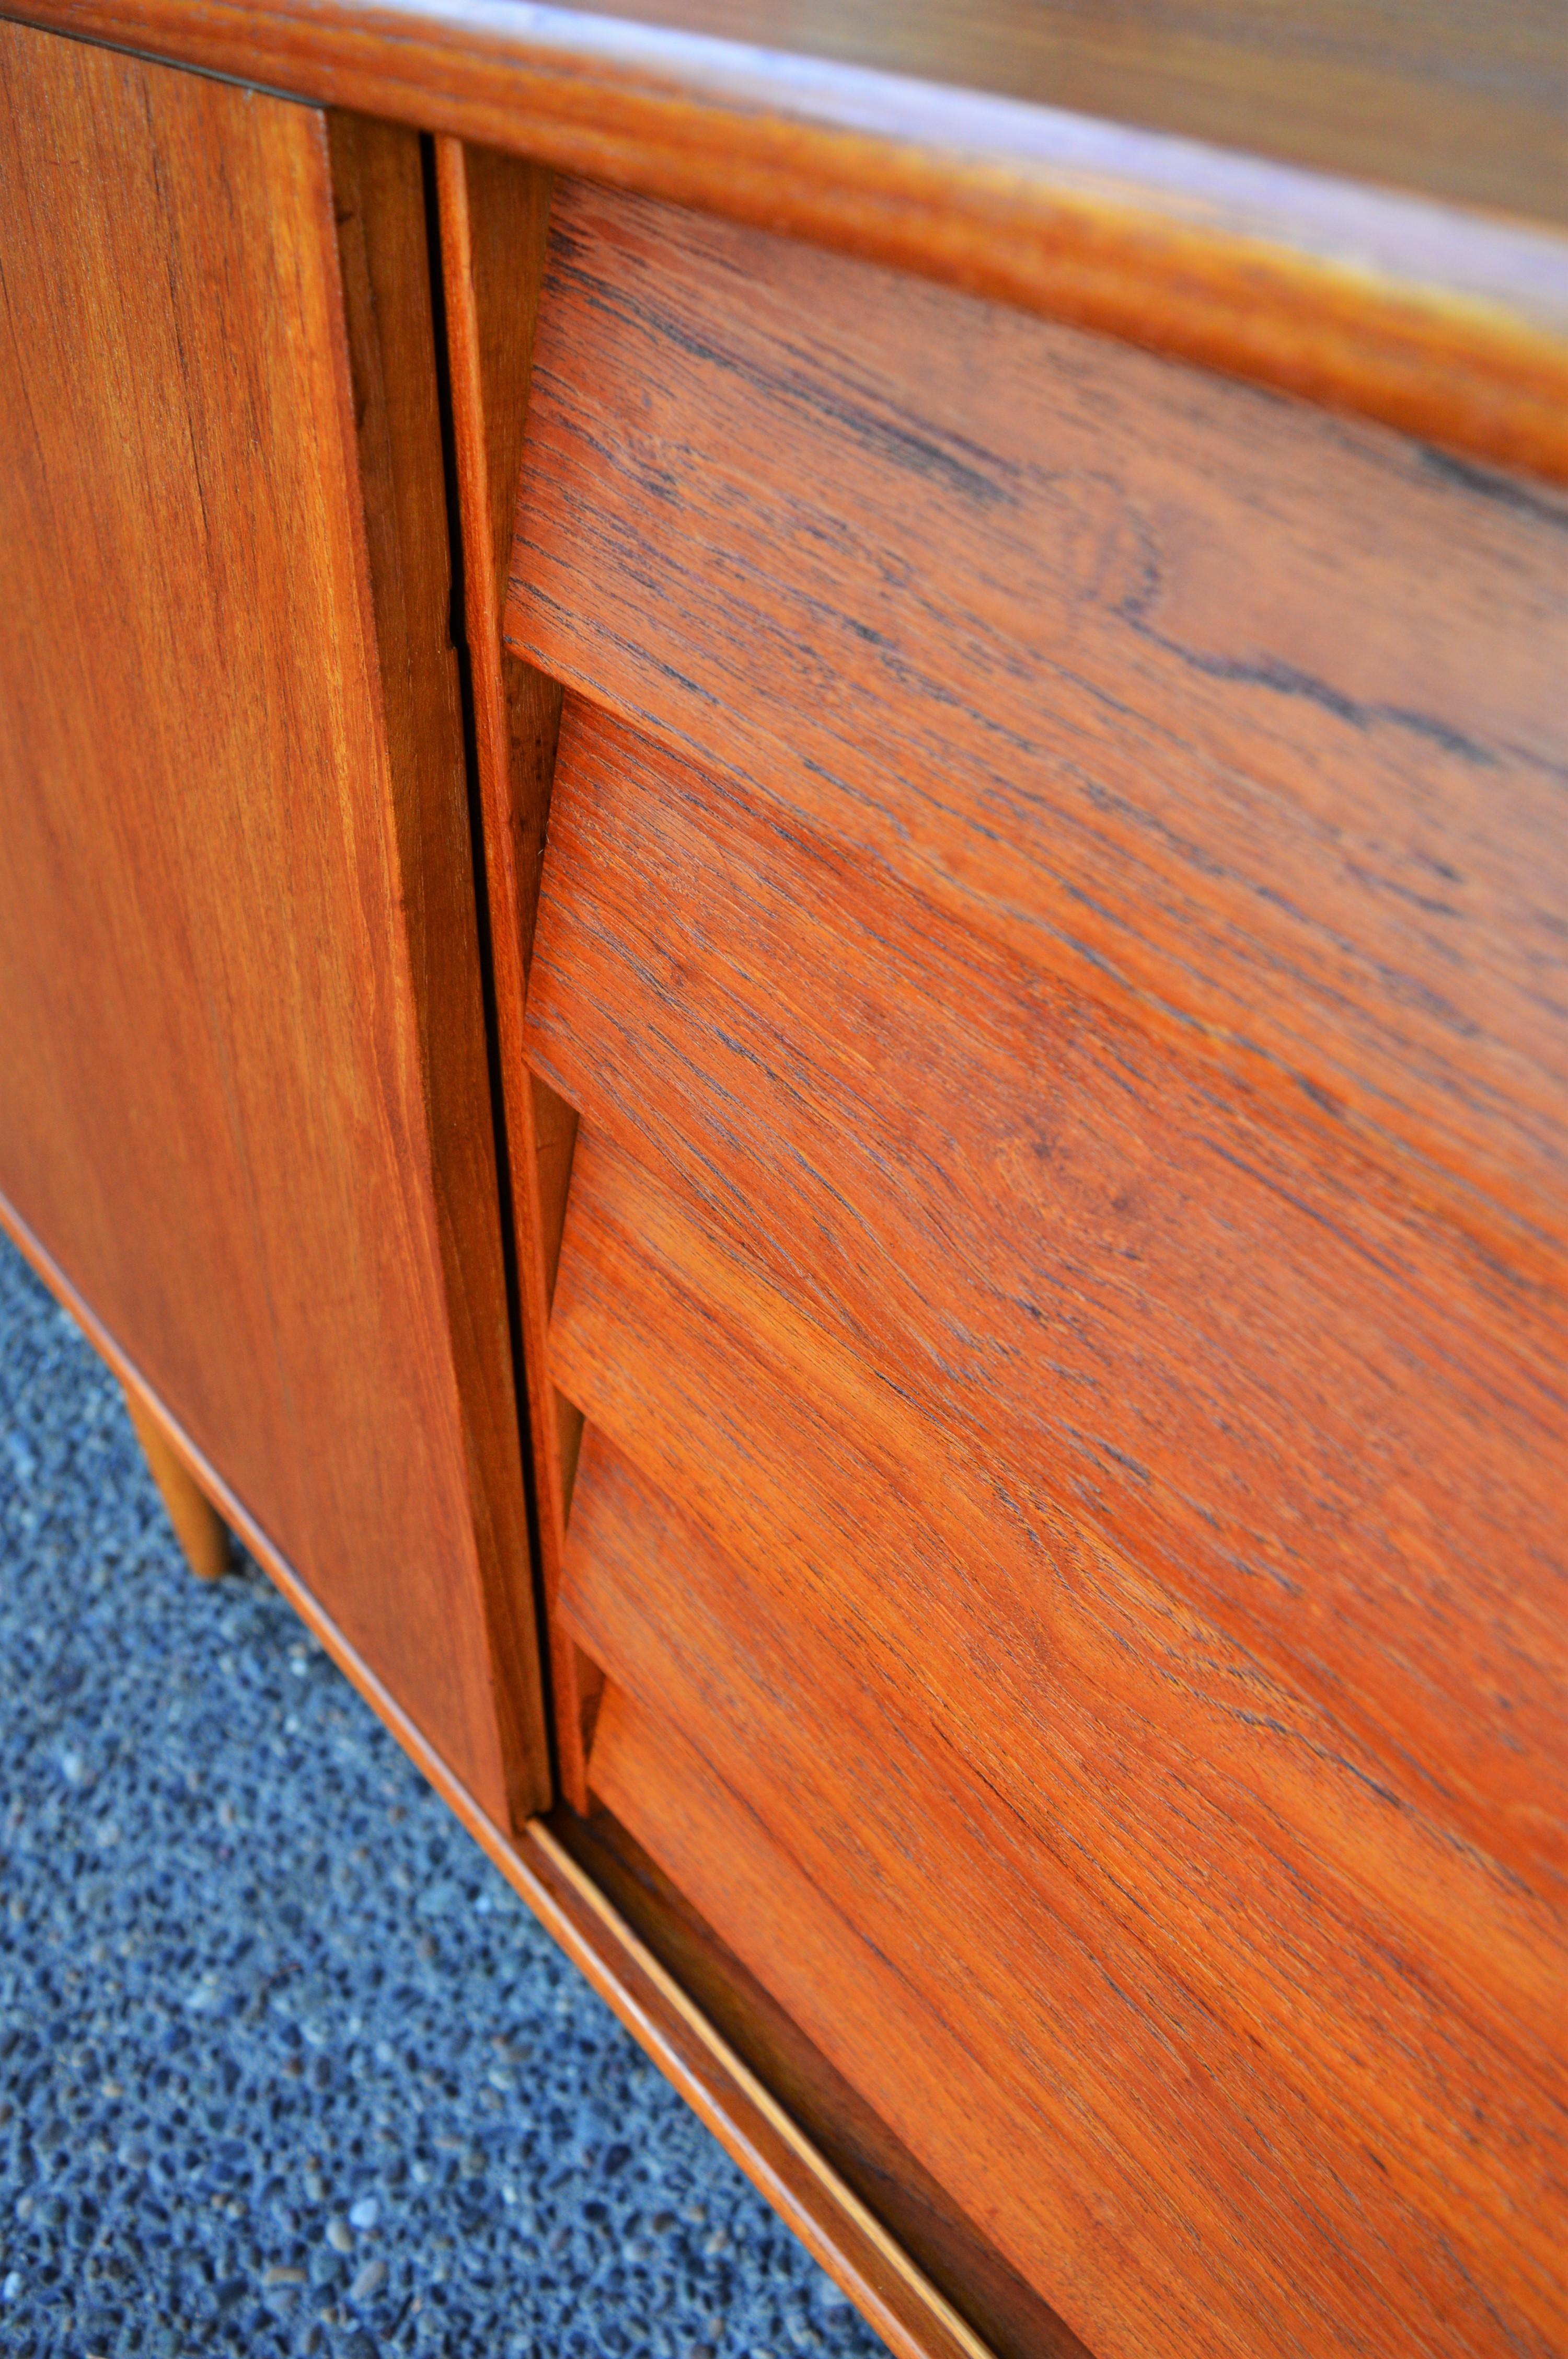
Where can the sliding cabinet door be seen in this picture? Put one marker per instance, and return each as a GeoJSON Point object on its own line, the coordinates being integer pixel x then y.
{"type": "Point", "coordinates": [245, 1111]}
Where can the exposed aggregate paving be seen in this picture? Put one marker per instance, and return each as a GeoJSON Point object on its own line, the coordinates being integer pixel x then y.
{"type": "Point", "coordinates": [285, 2066]}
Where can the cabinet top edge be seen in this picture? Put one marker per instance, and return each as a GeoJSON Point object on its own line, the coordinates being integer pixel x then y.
{"type": "Point", "coordinates": [1444, 319]}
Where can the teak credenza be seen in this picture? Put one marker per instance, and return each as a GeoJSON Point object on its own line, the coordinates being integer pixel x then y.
{"type": "Point", "coordinates": [784, 958]}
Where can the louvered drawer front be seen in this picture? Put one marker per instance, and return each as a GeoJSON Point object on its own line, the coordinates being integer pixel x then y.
{"type": "Point", "coordinates": [1055, 963]}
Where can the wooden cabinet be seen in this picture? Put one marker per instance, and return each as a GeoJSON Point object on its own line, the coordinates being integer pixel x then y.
{"type": "Point", "coordinates": [961, 1180]}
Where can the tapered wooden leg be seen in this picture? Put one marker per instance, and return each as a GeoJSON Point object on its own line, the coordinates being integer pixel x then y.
{"type": "Point", "coordinates": [199, 1529]}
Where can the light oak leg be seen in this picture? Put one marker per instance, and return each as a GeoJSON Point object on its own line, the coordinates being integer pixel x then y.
{"type": "Point", "coordinates": [199, 1529]}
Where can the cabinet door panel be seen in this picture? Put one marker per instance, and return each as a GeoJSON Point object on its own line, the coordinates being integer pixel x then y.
{"type": "Point", "coordinates": [244, 1100]}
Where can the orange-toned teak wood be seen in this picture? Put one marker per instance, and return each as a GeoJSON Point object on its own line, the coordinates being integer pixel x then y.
{"type": "Point", "coordinates": [1021, 884]}
{"type": "Point", "coordinates": [243, 1093]}
{"type": "Point", "coordinates": [1045, 928]}
{"type": "Point", "coordinates": [494, 217]}
{"type": "Point", "coordinates": [1448, 324]}
{"type": "Point", "coordinates": [198, 1528]}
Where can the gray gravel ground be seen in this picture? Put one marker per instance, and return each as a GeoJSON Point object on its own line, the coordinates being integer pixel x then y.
{"type": "Point", "coordinates": [285, 2067]}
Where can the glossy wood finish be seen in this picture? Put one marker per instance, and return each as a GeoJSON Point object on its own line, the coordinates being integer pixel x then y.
{"type": "Point", "coordinates": [968, 597]}
{"type": "Point", "coordinates": [1104, 1859]}
{"type": "Point", "coordinates": [493, 216]}
{"type": "Point", "coordinates": [1465, 101]}
{"type": "Point", "coordinates": [1047, 924]}
{"type": "Point", "coordinates": [243, 1098]}
{"type": "Point", "coordinates": [1011, 2320]}
{"type": "Point", "coordinates": [962, 623]}
{"type": "Point", "coordinates": [1448, 325]}
{"type": "Point", "coordinates": [1457, 99]}
{"type": "Point", "coordinates": [1122, 1308]}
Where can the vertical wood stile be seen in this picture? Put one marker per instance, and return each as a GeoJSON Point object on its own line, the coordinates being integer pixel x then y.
{"type": "Point", "coordinates": [494, 216]}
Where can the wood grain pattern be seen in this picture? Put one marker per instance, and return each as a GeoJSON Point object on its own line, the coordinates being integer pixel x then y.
{"type": "Point", "coordinates": [804, 1463]}
{"type": "Point", "coordinates": [1447, 324]}
{"type": "Point", "coordinates": [243, 1096]}
{"type": "Point", "coordinates": [1177, 2161]}
{"type": "Point", "coordinates": [1049, 927]}
{"type": "Point", "coordinates": [1011, 2319]}
{"type": "Point", "coordinates": [1109, 1295]}
{"type": "Point", "coordinates": [895, 2298]}
{"type": "Point", "coordinates": [733, 1402]}
{"type": "Point", "coordinates": [383, 233]}
{"type": "Point", "coordinates": [494, 215]}
{"type": "Point", "coordinates": [1244, 723]}
{"type": "Point", "coordinates": [743, 2114]}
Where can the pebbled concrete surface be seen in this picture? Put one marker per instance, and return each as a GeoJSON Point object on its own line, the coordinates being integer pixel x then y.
{"type": "Point", "coordinates": [285, 2067]}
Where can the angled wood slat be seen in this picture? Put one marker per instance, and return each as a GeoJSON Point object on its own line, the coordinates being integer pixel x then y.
{"type": "Point", "coordinates": [1048, 930]}
{"type": "Point", "coordinates": [1210, 1815]}
{"type": "Point", "coordinates": [1011, 2320]}
{"type": "Point", "coordinates": [1177, 2178]}
{"type": "Point", "coordinates": [1244, 720]}
{"type": "Point", "coordinates": [1085, 1274]}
